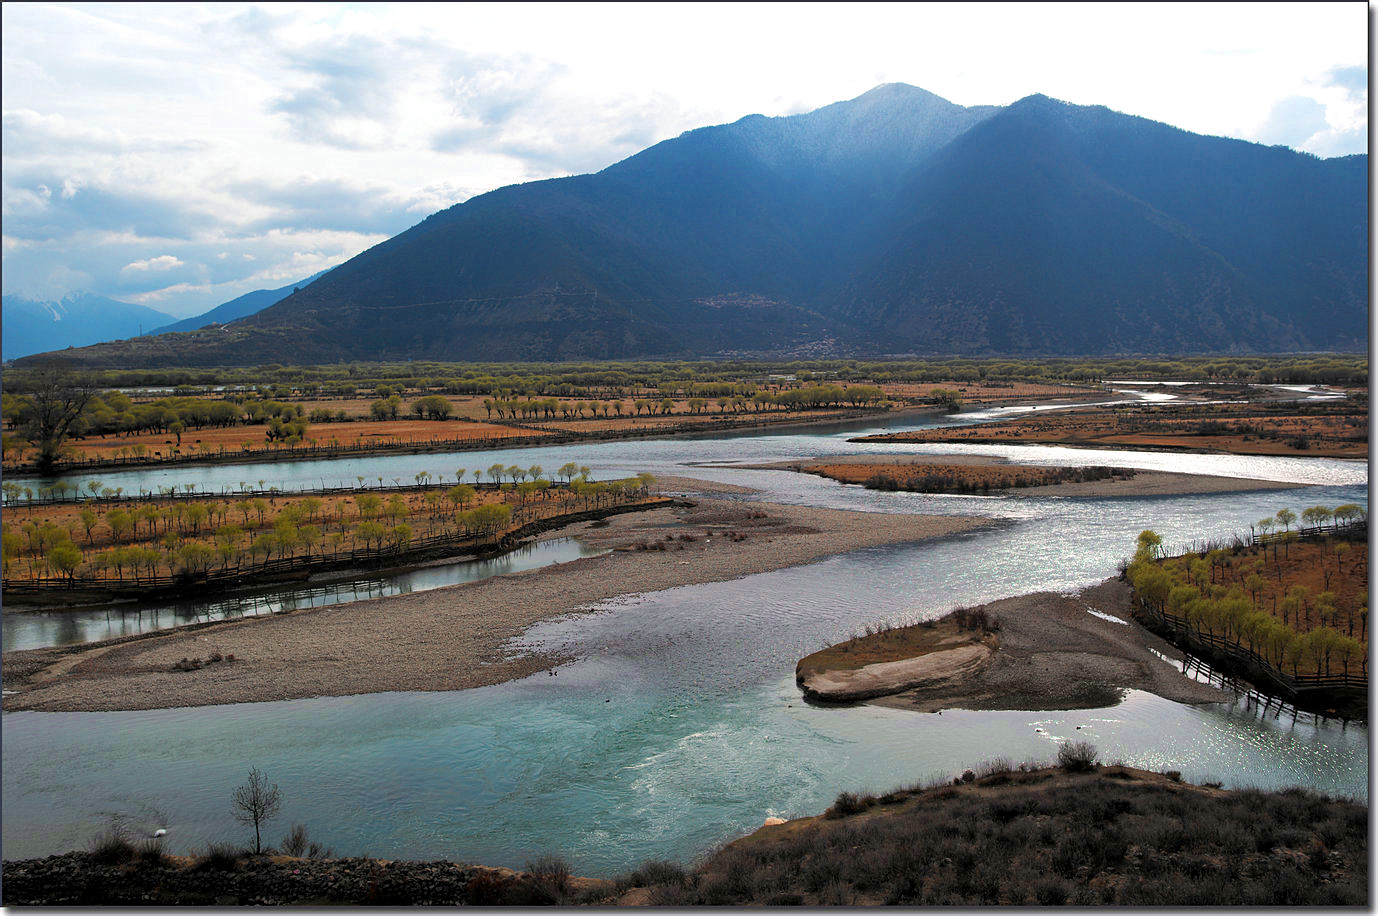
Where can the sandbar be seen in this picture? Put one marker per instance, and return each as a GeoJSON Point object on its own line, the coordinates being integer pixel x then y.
{"type": "Point", "coordinates": [1054, 653]}
{"type": "Point", "coordinates": [1143, 483]}
{"type": "Point", "coordinates": [449, 638]}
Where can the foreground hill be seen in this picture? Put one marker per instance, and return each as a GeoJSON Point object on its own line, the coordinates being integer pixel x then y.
{"type": "Point", "coordinates": [893, 223]}
{"type": "Point", "coordinates": [34, 326]}
{"type": "Point", "coordinates": [1079, 835]}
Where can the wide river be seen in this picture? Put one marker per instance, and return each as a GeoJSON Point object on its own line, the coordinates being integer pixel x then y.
{"type": "Point", "coordinates": [679, 726]}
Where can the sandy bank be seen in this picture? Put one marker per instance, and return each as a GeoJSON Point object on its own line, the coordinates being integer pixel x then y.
{"type": "Point", "coordinates": [1143, 483]}
{"type": "Point", "coordinates": [883, 678]}
{"type": "Point", "coordinates": [1055, 654]}
{"type": "Point", "coordinates": [451, 638]}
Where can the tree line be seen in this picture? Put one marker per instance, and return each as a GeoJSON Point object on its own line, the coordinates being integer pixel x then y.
{"type": "Point", "coordinates": [1239, 596]}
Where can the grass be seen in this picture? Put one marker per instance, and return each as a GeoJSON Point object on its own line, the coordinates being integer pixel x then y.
{"type": "Point", "coordinates": [886, 643]}
{"type": "Point", "coordinates": [1079, 834]}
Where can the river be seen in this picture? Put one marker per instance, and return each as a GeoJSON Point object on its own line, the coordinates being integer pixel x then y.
{"type": "Point", "coordinates": [679, 725]}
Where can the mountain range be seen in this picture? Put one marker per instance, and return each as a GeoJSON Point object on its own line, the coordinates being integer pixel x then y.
{"type": "Point", "coordinates": [34, 325]}
{"type": "Point", "coordinates": [37, 326]}
{"type": "Point", "coordinates": [896, 223]}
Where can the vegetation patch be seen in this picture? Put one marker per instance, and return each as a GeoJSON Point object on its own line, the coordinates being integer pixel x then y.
{"type": "Point", "coordinates": [1081, 835]}
{"type": "Point", "coordinates": [1286, 608]}
{"type": "Point", "coordinates": [962, 478]}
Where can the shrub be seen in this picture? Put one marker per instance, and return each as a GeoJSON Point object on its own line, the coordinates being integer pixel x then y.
{"type": "Point", "coordinates": [219, 857]}
{"type": "Point", "coordinates": [298, 843]}
{"type": "Point", "coordinates": [150, 852]}
{"type": "Point", "coordinates": [1174, 775]}
{"type": "Point", "coordinates": [655, 872]}
{"type": "Point", "coordinates": [550, 876]}
{"type": "Point", "coordinates": [111, 847]}
{"type": "Point", "coordinates": [849, 803]}
{"type": "Point", "coordinates": [1077, 757]}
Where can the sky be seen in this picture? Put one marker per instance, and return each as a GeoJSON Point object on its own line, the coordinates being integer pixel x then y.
{"type": "Point", "coordinates": [179, 155]}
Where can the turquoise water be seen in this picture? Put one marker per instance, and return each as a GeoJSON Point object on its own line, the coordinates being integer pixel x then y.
{"type": "Point", "coordinates": [35, 629]}
{"type": "Point", "coordinates": [679, 726]}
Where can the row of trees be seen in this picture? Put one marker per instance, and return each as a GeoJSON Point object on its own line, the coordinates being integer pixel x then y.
{"type": "Point", "coordinates": [813, 397]}
{"type": "Point", "coordinates": [154, 539]}
{"type": "Point", "coordinates": [1231, 595]}
{"type": "Point", "coordinates": [684, 378]}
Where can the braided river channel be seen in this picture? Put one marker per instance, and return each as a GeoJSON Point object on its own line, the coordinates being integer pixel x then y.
{"type": "Point", "coordinates": [678, 726]}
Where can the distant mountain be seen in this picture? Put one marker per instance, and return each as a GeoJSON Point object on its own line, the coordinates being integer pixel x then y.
{"type": "Point", "coordinates": [894, 223]}
{"type": "Point", "coordinates": [239, 307]}
{"type": "Point", "coordinates": [34, 326]}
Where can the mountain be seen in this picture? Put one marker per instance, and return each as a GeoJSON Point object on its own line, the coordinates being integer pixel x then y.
{"type": "Point", "coordinates": [893, 223]}
{"type": "Point", "coordinates": [34, 326]}
{"type": "Point", "coordinates": [239, 307]}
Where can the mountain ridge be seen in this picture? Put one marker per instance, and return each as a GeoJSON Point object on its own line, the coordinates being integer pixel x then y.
{"type": "Point", "coordinates": [895, 222]}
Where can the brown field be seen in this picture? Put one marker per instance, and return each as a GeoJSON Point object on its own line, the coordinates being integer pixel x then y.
{"type": "Point", "coordinates": [1315, 566]}
{"type": "Point", "coordinates": [1343, 434]}
{"type": "Point", "coordinates": [655, 423]}
{"type": "Point", "coordinates": [231, 440]}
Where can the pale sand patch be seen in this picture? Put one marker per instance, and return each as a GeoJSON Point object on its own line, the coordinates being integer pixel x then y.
{"type": "Point", "coordinates": [884, 678]}
{"type": "Point", "coordinates": [670, 485]}
{"type": "Point", "coordinates": [449, 638]}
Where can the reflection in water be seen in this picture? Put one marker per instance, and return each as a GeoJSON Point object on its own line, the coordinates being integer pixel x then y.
{"type": "Point", "coordinates": [32, 630]}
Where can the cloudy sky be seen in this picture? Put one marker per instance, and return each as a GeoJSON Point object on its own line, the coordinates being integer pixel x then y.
{"type": "Point", "coordinates": [179, 155]}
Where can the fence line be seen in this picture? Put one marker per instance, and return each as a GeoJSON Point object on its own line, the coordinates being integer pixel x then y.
{"type": "Point", "coordinates": [1235, 652]}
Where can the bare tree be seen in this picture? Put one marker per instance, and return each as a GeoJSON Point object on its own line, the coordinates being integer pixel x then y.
{"type": "Point", "coordinates": [56, 404]}
{"type": "Point", "coordinates": [257, 802]}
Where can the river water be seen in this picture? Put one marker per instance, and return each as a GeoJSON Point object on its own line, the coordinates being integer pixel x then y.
{"type": "Point", "coordinates": [679, 726]}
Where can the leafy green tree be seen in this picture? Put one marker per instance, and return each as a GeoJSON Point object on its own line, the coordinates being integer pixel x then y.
{"type": "Point", "coordinates": [65, 558]}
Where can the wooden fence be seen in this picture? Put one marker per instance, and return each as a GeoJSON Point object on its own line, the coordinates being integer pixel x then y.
{"type": "Point", "coordinates": [1212, 646]}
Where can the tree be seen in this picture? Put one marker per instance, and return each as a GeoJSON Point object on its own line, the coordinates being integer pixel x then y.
{"type": "Point", "coordinates": [55, 407]}
{"type": "Point", "coordinates": [65, 558]}
{"type": "Point", "coordinates": [257, 802]}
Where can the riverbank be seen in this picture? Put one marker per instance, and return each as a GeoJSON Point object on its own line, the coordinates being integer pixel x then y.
{"type": "Point", "coordinates": [512, 435]}
{"type": "Point", "coordinates": [451, 638]}
{"type": "Point", "coordinates": [855, 468]}
{"type": "Point", "coordinates": [1080, 833]}
{"type": "Point", "coordinates": [1044, 651]}
{"type": "Point", "coordinates": [1329, 429]}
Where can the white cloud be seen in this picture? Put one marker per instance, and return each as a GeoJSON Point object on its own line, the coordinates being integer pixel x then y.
{"type": "Point", "coordinates": [161, 263]}
{"type": "Point", "coordinates": [286, 136]}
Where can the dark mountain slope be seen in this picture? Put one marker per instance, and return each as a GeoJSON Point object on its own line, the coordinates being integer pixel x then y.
{"type": "Point", "coordinates": [1057, 229]}
{"type": "Point", "coordinates": [750, 216]}
{"type": "Point", "coordinates": [238, 307]}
